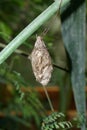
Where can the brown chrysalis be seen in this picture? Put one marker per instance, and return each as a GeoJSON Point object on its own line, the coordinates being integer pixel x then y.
{"type": "Point", "coordinates": [41, 62]}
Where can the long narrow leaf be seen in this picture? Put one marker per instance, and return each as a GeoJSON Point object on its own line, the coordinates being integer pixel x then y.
{"type": "Point", "coordinates": [30, 29]}
{"type": "Point", "coordinates": [73, 31]}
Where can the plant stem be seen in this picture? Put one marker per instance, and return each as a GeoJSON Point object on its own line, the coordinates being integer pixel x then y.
{"type": "Point", "coordinates": [30, 29]}
{"type": "Point", "coordinates": [25, 54]}
{"type": "Point", "coordinates": [48, 98]}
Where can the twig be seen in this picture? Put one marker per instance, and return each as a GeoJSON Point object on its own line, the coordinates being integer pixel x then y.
{"type": "Point", "coordinates": [23, 53]}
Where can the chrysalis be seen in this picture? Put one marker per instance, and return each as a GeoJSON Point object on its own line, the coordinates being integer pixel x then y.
{"type": "Point", "coordinates": [41, 62]}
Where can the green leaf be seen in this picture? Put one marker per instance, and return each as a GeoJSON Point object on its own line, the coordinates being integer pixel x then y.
{"type": "Point", "coordinates": [5, 31]}
{"type": "Point", "coordinates": [73, 31]}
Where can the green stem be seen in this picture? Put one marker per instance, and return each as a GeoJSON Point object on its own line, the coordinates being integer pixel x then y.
{"type": "Point", "coordinates": [30, 29]}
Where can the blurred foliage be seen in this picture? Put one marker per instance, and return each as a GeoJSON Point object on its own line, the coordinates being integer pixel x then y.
{"type": "Point", "coordinates": [14, 16]}
{"type": "Point", "coordinates": [56, 121]}
{"type": "Point", "coordinates": [11, 76]}
{"type": "Point", "coordinates": [24, 104]}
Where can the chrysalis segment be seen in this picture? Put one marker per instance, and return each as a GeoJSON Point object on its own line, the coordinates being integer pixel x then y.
{"type": "Point", "coordinates": [41, 62]}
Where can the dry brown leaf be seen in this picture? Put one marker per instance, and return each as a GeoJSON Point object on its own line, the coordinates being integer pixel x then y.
{"type": "Point", "coordinates": [41, 62]}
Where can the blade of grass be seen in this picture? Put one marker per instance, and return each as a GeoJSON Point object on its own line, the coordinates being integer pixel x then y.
{"type": "Point", "coordinates": [73, 31]}
{"type": "Point", "coordinates": [30, 29]}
